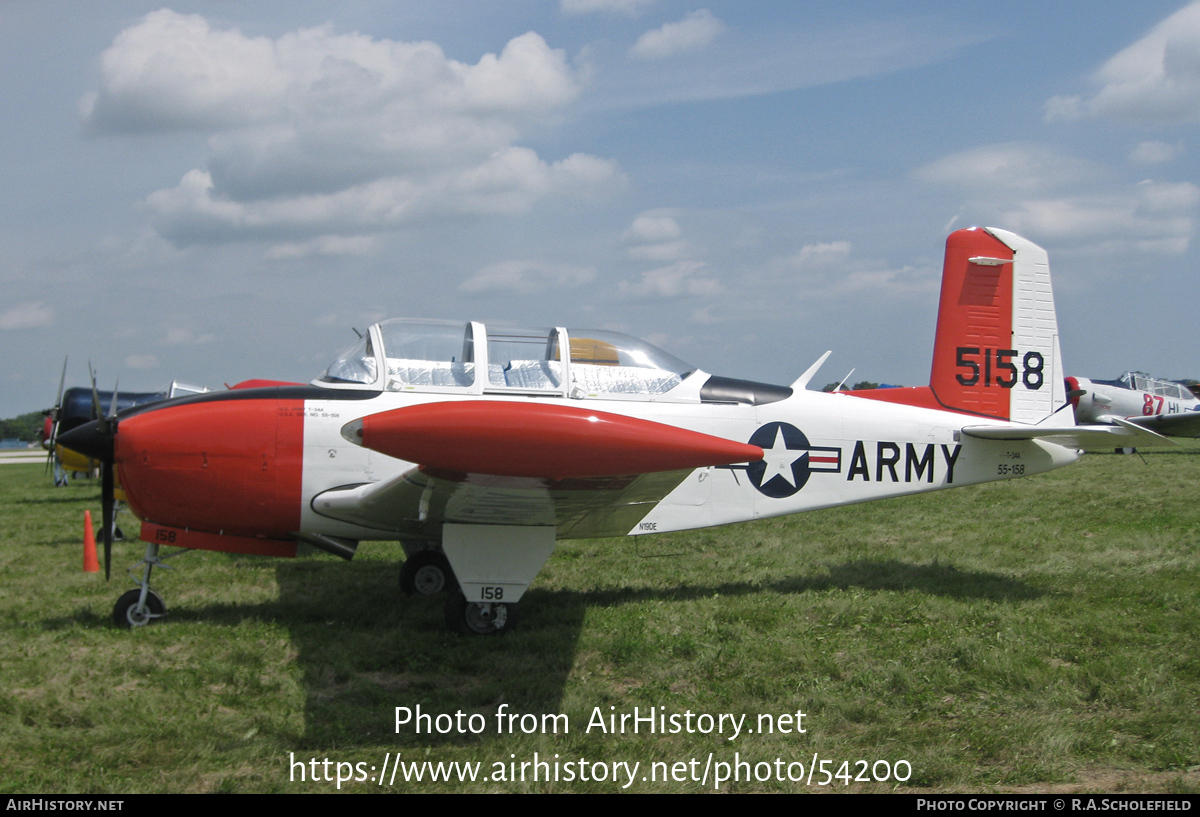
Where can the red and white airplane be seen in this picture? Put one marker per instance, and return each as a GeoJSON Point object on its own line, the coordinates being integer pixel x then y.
{"type": "Point", "coordinates": [478, 447]}
{"type": "Point", "coordinates": [1163, 406]}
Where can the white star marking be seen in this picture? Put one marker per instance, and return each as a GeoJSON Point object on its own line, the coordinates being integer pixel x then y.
{"type": "Point", "coordinates": [779, 459]}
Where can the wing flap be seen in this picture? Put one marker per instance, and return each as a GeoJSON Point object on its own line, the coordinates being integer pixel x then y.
{"type": "Point", "coordinates": [419, 501]}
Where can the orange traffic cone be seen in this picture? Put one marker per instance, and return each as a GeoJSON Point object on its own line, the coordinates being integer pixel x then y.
{"type": "Point", "coordinates": [90, 563]}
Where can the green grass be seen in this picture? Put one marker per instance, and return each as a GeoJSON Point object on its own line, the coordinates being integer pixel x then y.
{"type": "Point", "coordinates": [1034, 635]}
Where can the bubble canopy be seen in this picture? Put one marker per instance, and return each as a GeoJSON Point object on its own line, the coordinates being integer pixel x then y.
{"type": "Point", "coordinates": [414, 355]}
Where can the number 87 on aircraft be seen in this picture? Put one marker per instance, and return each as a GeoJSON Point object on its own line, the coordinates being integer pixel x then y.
{"type": "Point", "coordinates": [479, 447]}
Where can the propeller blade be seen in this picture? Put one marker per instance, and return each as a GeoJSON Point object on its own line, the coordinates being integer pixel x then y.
{"type": "Point", "coordinates": [106, 506]}
{"type": "Point", "coordinates": [48, 442]}
{"type": "Point", "coordinates": [97, 412]}
{"type": "Point", "coordinates": [53, 437]}
{"type": "Point", "coordinates": [62, 381]}
{"type": "Point", "coordinates": [54, 415]}
{"type": "Point", "coordinates": [106, 427]}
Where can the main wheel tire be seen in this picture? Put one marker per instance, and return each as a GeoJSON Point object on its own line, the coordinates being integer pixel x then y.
{"type": "Point", "coordinates": [479, 618]}
{"type": "Point", "coordinates": [127, 616]}
{"type": "Point", "coordinates": [426, 573]}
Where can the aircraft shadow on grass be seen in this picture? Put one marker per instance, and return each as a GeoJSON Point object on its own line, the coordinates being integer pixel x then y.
{"type": "Point", "coordinates": [363, 649]}
{"type": "Point", "coordinates": [390, 651]}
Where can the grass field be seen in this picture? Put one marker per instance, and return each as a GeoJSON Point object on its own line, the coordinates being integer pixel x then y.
{"type": "Point", "coordinates": [1035, 635]}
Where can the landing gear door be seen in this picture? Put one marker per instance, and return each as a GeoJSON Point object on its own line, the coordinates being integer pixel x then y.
{"type": "Point", "coordinates": [496, 563]}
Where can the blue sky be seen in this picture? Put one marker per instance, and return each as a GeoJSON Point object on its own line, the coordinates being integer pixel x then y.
{"type": "Point", "coordinates": [218, 191]}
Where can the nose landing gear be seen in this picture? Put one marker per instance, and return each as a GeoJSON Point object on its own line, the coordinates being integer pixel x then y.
{"type": "Point", "coordinates": [135, 610]}
{"type": "Point", "coordinates": [140, 606]}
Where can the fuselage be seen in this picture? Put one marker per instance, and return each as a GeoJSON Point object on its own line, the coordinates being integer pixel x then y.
{"type": "Point", "coordinates": [251, 462]}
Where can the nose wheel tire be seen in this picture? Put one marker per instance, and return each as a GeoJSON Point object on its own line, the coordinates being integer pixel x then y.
{"type": "Point", "coordinates": [479, 617]}
{"type": "Point", "coordinates": [426, 573]}
{"type": "Point", "coordinates": [127, 613]}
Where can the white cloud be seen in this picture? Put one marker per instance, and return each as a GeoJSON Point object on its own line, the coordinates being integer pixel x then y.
{"type": "Point", "coordinates": [1157, 78]}
{"type": "Point", "coordinates": [27, 316]}
{"type": "Point", "coordinates": [357, 317]}
{"type": "Point", "coordinates": [1154, 152]}
{"type": "Point", "coordinates": [821, 255]}
{"type": "Point", "coordinates": [696, 30]}
{"type": "Point", "coordinates": [183, 336]}
{"type": "Point", "coordinates": [655, 236]}
{"type": "Point", "coordinates": [704, 316]}
{"type": "Point", "coordinates": [666, 251]}
{"type": "Point", "coordinates": [508, 182]}
{"type": "Point", "coordinates": [1054, 197]}
{"type": "Point", "coordinates": [649, 228]}
{"type": "Point", "coordinates": [629, 7]}
{"type": "Point", "coordinates": [316, 135]}
{"type": "Point", "coordinates": [141, 362]}
{"type": "Point", "coordinates": [1014, 167]}
{"type": "Point", "coordinates": [827, 269]}
{"type": "Point", "coordinates": [1167, 197]}
{"type": "Point", "coordinates": [1153, 216]}
{"type": "Point", "coordinates": [527, 277]}
{"type": "Point", "coordinates": [173, 71]}
{"type": "Point", "coordinates": [326, 245]}
{"type": "Point", "coordinates": [894, 282]}
{"type": "Point", "coordinates": [677, 279]}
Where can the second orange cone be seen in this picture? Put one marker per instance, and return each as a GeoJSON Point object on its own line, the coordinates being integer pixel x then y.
{"type": "Point", "coordinates": [90, 563]}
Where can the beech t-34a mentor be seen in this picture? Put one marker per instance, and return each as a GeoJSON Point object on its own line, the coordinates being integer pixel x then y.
{"type": "Point", "coordinates": [477, 447]}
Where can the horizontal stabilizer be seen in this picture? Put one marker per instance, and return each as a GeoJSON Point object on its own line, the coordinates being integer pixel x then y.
{"type": "Point", "coordinates": [1123, 434]}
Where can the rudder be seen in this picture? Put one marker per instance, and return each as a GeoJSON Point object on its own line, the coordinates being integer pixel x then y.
{"type": "Point", "coordinates": [996, 350]}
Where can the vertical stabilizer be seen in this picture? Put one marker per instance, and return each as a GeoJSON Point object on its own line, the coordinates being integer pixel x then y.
{"type": "Point", "coordinates": [996, 351]}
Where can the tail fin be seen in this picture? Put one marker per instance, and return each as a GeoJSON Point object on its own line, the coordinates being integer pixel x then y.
{"type": "Point", "coordinates": [996, 351]}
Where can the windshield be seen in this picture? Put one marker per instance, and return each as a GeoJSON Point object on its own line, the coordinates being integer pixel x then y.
{"type": "Point", "coordinates": [355, 365]}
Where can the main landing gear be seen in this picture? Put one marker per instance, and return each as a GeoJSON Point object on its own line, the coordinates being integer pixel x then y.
{"type": "Point", "coordinates": [479, 617]}
{"type": "Point", "coordinates": [426, 573]}
{"type": "Point", "coordinates": [493, 565]}
{"type": "Point", "coordinates": [140, 606]}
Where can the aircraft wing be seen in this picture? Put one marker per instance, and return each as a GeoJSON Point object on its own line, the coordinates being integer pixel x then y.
{"type": "Point", "coordinates": [1121, 434]}
{"type": "Point", "coordinates": [419, 501]}
{"type": "Point", "coordinates": [585, 472]}
{"type": "Point", "coordinates": [1186, 424]}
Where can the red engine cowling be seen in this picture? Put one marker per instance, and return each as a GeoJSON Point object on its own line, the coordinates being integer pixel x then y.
{"type": "Point", "coordinates": [225, 466]}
